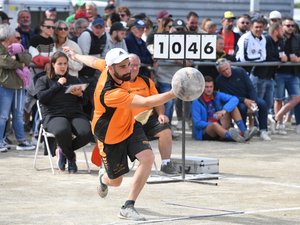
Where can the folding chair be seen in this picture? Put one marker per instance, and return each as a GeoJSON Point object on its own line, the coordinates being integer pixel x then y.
{"type": "Point", "coordinates": [46, 135]}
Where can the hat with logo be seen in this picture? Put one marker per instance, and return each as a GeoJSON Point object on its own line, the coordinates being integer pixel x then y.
{"type": "Point", "coordinates": [275, 15]}
{"type": "Point", "coordinates": [138, 24]}
{"type": "Point", "coordinates": [229, 15]}
{"type": "Point", "coordinates": [179, 23]}
{"type": "Point", "coordinates": [117, 26]}
{"type": "Point", "coordinates": [115, 56]}
{"type": "Point", "coordinates": [4, 16]}
{"type": "Point", "coordinates": [98, 21]}
{"type": "Point", "coordinates": [162, 14]}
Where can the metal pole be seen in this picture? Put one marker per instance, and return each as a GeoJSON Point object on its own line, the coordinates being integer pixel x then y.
{"type": "Point", "coordinates": [254, 5]}
{"type": "Point", "coordinates": [183, 134]}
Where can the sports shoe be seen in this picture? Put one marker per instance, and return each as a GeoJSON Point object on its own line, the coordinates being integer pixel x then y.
{"type": "Point", "coordinates": [281, 129]}
{"type": "Point", "coordinates": [130, 213]}
{"type": "Point", "coordinates": [234, 134]}
{"type": "Point", "coordinates": [168, 168]}
{"type": "Point", "coordinates": [3, 148]}
{"type": "Point", "coordinates": [25, 146]}
{"type": "Point", "coordinates": [272, 123]}
{"type": "Point", "coordinates": [250, 133]}
{"type": "Point", "coordinates": [179, 125]}
{"type": "Point", "coordinates": [298, 129]}
{"type": "Point", "coordinates": [61, 159]}
{"type": "Point", "coordinates": [102, 189]}
{"type": "Point", "coordinates": [8, 143]}
{"type": "Point", "coordinates": [264, 136]}
{"type": "Point", "coordinates": [72, 167]}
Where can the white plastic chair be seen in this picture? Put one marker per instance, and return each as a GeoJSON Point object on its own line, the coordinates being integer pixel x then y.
{"type": "Point", "coordinates": [46, 135]}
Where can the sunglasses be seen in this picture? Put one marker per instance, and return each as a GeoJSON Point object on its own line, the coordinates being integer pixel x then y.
{"type": "Point", "coordinates": [63, 28]}
{"type": "Point", "coordinates": [122, 15]}
{"type": "Point", "coordinates": [48, 27]}
{"type": "Point", "coordinates": [289, 25]}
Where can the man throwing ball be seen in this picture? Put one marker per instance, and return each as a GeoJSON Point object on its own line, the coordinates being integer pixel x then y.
{"type": "Point", "coordinates": [118, 134]}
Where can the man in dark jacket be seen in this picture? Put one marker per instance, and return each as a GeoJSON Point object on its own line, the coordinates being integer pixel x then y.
{"type": "Point", "coordinates": [235, 81]}
{"type": "Point", "coordinates": [135, 44]}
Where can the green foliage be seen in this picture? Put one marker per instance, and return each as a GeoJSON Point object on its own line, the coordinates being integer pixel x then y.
{"type": "Point", "coordinates": [297, 5]}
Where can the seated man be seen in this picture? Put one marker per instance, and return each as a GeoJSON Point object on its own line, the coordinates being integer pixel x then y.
{"type": "Point", "coordinates": [235, 81]}
{"type": "Point", "coordinates": [157, 125]}
{"type": "Point", "coordinates": [212, 113]}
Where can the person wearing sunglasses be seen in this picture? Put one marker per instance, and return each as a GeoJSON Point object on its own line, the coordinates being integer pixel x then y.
{"type": "Point", "coordinates": [41, 45]}
{"type": "Point", "coordinates": [41, 48]}
{"type": "Point", "coordinates": [13, 58]}
{"type": "Point", "coordinates": [287, 77]}
{"type": "Point", "coordinates": [124, 13]}
{"type": "Point", "coordinates": [61, 40]}
{"type": "Point", "coordinates": [242, 24]}
{"type": "Point", "coordinates": [230, 37]}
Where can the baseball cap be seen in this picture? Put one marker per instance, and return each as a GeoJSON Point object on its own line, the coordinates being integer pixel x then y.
{"type": "Point", "coordinates": [115, 56]}
{"type": "Point", "coordinates": [110, 7]}
{"type": "Point", "coordinates": [117, 26]}
{"type": "Point", "coordinates": [229, 15]}
{"type": "Point", "coordinates": [162, 14]}
{"type": "Point", "coordinates": [98, 21]}
{"type": "Point", "coordinates": [138, 24]}
{"type": "Point", "coordinates": [81, 14]}
{"type": "Point", "coordinates": [179, 23]}
{"type": "Point", "coordinates": [275, 15]}
{"type": "Point", "coordinates": [80, 3]}
{"type": "Point", "coordinates": [4, 16]}
{"type": "Point", "coordinates": [51, 9]}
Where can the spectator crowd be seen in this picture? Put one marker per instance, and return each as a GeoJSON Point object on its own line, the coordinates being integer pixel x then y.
{"type": "Point", "coordinates": [258, 100]}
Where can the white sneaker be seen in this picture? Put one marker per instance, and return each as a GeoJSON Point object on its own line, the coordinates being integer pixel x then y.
{"type": "Point", "coordinates": [3, 148]}
{"type": "Point", "coordinates": [272, 123]}
{"type": "Point", "coordinates": [130, 213]}
{"type": "Point", "coordinates": [25, 146]}
{"type": "Point", "coordinates": [179, 125]}
{"type": "Point", "coordinates": [264, 136]}
{"type": "Point", "coordinates": [281, 129]}
{"type": "Point", "coordinates": [298, 129]}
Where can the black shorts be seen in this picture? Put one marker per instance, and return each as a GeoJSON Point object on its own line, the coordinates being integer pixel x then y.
{"type": "Point", "coordinates": [153, 126]}
{"type": "Point", "coordinates": [114, 157]}
{"type": "Point", "coordinates": [207, 137]}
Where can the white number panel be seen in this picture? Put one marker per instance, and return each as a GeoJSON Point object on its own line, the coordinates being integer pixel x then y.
{"type": "Point", "coordinates": [176, 46]}
{"type": "Point", "coordinates": [161, 46]}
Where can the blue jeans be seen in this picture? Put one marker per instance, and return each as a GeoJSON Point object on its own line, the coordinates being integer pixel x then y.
{"type": "Point", "coordinates": [289, 82]}
{"type": "Point", "coordinates": [12, 100]}
{"type": "Point", "coordinates": [262, 113]}
{"type": "Point", "coordinates": [264, 89]}
{"type": "Point", "coordinates": [169, 106]}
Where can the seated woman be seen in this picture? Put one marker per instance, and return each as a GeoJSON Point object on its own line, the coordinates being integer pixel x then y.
{"type": "Point", "coordinates": [62, 112]}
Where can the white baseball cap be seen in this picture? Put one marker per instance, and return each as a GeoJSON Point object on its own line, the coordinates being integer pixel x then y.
{"type": "Point", "coordinates": [275, 15]}
{"type": "Point", "coordinates": [115, 56]}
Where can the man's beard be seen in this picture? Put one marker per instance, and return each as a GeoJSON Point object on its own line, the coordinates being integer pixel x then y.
{"type": "Point", "coordinates": [118, 39]}
{"type": "Point", "coordinates": [125, 77]}
{"type": "Point", "coordinates": [229, 27]}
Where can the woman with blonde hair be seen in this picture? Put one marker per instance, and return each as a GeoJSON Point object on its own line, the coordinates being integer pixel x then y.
{"type": "Point", "coordinates": [61, 32]}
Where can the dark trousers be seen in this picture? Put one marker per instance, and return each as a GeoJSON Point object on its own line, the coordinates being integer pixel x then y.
{"type": "Point", "coordinates": [262, 113]}
{"type": "Point", "coordinates": [63, 129]}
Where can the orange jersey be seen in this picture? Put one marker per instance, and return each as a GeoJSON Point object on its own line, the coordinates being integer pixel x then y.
{"type": "Point", "coordinates": [113, 119]}
{"type": "Point", "coordinates": [140, 87]}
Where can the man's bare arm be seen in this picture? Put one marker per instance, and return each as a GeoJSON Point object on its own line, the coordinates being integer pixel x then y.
{"type": "Point", "coordinates": [151, 101]}
{"type": "Point", "coordinates": [88, 60]}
